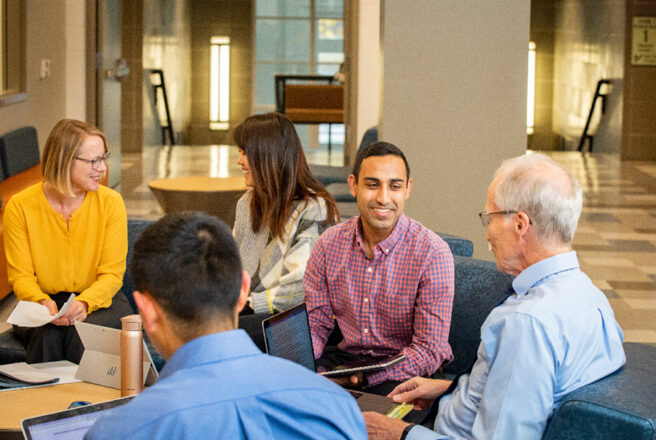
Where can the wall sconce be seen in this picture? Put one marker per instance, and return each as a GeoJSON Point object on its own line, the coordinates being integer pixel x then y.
{"type": "Point", "coordinates": [219, 83]}
{"type": "Point", "coordinates": [530, 99]}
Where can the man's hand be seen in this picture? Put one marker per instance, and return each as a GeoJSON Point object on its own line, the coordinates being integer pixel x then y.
{"type": "Point", "coordinates": [419, 391]}
{"type": "Point", "coordinates": [380, 427]}
{"type": "Point", "coordinates": [355, 380]}
{"type": "Point", "coordinates": [77, 312]}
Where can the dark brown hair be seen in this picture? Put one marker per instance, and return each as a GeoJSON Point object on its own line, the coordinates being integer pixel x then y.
{"type": "Point", "coordinates": [280, 172]}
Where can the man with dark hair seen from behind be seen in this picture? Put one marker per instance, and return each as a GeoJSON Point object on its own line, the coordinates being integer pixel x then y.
{"type": "Point", "coordinates": [554, 334]}
{"type": "Point", "coordinates": [216, 383]}
{"type": "Point", "coordinates": [386, 278]}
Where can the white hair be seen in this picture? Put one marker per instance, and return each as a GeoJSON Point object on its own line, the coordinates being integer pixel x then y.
{"type": "Point", "coordinates": [545, 190]}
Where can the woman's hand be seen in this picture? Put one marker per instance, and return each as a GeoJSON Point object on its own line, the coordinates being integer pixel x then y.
{"type": "Point", "coordinates": [77, 312]}
{"type": "Point", "coordinates": [419, 391]}
{"type": "Point", "coordinates": [52, 308]}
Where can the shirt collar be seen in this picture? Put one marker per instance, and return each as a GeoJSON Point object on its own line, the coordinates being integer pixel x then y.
{"type": "Point", "coordinates": [210, 348]}
{"type": "Point", "coordinates": [388, 244]}
{"type": "Point", "coordinates": [537, 272]}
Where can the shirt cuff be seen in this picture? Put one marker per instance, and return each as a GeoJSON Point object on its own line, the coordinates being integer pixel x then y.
{"type": "Point", "coordinates": [419, 432]}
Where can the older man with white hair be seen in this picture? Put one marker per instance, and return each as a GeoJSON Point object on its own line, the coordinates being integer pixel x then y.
{"type": "Point", "coordinates": [554, 334]}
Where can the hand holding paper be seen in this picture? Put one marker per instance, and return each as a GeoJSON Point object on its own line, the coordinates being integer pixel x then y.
{"type": "Point", "coordinates": [31, 314]}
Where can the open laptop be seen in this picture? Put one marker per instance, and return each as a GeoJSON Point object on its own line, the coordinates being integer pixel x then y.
{"type": "Point", "coordinates": [70, 424]}
{"type": "Point", "coordinates": [287, 335]}
{"type": "Point", "coordinates": [101, 360]}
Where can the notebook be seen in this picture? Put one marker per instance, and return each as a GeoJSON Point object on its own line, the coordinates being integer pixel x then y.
{"type": "Point", "coordinates": [287, 335]}
{"type": "Point", "coordinates": [70, 424]}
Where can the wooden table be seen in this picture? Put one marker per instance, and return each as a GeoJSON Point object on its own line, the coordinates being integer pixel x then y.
{"type": "Point", "coordinates": [16, 405]}
{"type": "Point", "coordinates": [215, 195]}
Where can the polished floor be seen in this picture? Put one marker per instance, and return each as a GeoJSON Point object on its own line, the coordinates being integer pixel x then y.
{"type": "Point", "coordinates": [615, 240]}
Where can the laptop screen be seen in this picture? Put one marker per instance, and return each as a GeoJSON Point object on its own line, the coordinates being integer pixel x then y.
{"type": "Point", "coordinates": [287, 335]}
{"type": "Point", "coordinates": [71, 424]}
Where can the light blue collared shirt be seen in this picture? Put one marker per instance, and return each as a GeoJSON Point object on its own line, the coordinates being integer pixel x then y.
{"type": "Point", "coordinates": [222, 386]}
{"type": "Point", "coordinates": [557, 333]}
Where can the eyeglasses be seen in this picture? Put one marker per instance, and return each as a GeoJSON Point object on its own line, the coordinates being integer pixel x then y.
{"type": "Point", "coordinates": [95, 162]}
{"type": "Point", "coordinates": [485, 216]}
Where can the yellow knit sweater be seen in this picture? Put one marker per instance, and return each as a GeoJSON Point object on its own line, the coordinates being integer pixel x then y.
{"type": "Point", "coordinates": [46, 256]}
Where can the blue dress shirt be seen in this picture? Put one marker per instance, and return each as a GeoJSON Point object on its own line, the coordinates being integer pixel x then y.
{"type": "Point", "coordinates": [222, 386]}
{"type": "Point", "coordinates": [557, 333]}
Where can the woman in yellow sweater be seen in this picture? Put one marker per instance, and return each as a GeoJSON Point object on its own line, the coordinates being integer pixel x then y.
{"type": "Point", "coordinates": [67, 235]}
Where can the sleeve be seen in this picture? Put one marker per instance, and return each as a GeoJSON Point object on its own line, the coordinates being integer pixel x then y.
{"type": "Point", "coordinates": [517, 396]}
{"type": "Point", "coordinates": [432, 319]}
{"type": "Point", "coordinates": [111, 267]}
{"type": "Point", "coordinates": [278, 293]}
{"type": "Point", "coordinates": [20, 266]}
{"type": "Point", "coordinates": [320, 312]}
{"type": "Point", "coordinates": [419, 432]}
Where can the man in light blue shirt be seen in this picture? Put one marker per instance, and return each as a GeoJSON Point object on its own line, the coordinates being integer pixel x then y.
{"type": "Point", "coordinates": [555, 334]}
{"type": "Point", "coordinates": [216, 383]}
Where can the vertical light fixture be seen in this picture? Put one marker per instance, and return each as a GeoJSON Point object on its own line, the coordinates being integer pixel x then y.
{"type": "Point", "coordinates": [530, 97]}
{"type": "Point", "coordinates": [219, 83]}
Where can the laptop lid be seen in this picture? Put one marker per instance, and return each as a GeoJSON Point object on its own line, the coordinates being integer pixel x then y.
{"type": "Point", "coordinates": [287, 335]}
{"type": "Point", "coordinates": [101, 360]}
{"type": "Point", "coordinates": [71, 424]}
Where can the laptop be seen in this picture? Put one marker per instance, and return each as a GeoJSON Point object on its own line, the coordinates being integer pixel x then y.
{"type": "Point", "coordinates": [70, 424]}
{"type": "Point", "coordinates": [101, 360]}
{"type": "Point", "coordinates": [287, 335]}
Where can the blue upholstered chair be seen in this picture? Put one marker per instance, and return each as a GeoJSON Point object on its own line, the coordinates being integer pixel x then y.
{"type": "Point", "coordinates": [619, 406]}
{"type": "Point", "coordinates": [19, 150]}
{"type": "Point", "coordinates": [478, 288]}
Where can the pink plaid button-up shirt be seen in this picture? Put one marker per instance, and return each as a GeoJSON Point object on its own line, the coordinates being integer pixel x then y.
{"type": "Point", "coordinates": [399, 301]}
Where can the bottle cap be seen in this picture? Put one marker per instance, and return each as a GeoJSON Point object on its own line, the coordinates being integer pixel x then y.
{"type": "Point", "coordinates": [131, 322]}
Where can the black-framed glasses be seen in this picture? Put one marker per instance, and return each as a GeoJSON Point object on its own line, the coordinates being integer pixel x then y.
{"type": "Point", "coordinates": [485, 216]}
{"type": "Point", "coordinates": [95, 162]}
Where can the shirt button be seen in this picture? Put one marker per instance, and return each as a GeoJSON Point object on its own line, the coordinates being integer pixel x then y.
{"type": "Point", "coordinates": [386, 251]}
{"type": "Point", "coordinates": [366, 300]}
{"type": "Point", "coordinates": [369, 269]}
{"type": "Point", "coordinates": [366, 330]}
{"type": "Point", "coordinates": [371, 352]}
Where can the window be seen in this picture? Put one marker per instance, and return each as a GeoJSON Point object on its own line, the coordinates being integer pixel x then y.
{"type": "Point", "coordinates": [12, 51]}
{"type": "Point", "coordinates": [304, 37]}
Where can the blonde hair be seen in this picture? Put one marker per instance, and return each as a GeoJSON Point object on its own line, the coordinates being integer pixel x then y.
{"type": "Point", "coordinates": [60, 150]}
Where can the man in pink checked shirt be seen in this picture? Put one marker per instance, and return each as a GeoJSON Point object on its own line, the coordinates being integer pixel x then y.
{"type": "Point", "coordinates": [383, 278]}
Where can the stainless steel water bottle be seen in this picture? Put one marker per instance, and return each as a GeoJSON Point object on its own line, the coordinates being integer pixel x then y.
{"type": "Point", "coordinates": [131, 355]}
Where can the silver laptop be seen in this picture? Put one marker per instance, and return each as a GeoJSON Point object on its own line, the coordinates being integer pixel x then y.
{"type": "Point", "coordinates": [70, 424]}
{"type": "Point", "coordinates": [101, 361]}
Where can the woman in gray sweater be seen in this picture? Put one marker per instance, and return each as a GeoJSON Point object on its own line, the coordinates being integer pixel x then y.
{"type": "Point", "coordinates": [279, 218]}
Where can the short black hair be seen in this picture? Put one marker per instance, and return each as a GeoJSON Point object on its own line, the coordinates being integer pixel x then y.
{"type": "Point", "coordinates": [189, 263]}
{"type": "Point", "coordinates": [379, 149]}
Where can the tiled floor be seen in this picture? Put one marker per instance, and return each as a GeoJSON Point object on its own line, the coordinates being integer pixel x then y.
{"type": "Point", "coordinates": [616, 236]}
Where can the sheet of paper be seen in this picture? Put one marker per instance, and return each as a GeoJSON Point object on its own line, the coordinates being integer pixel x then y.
{"type": "Point", "coordinates": [33, 314]}
{"type": "Point", "coordinates": [26, 373]}
{"type": "Point", "coordinates": [64, 370]}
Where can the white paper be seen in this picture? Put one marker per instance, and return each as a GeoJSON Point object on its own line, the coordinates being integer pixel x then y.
{"type": "Point", "coordinates": [26, 373]}
{"type": "Point", "coordinates": [33, 314]}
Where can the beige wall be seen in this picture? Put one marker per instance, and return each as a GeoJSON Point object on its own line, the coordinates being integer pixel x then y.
{"type": "Point", "coordinates": [589, 46]}
{"type": "Point", "coordinates": [365, 71]}
{"type": "Point", "coordinates": [46, 99]}
{"type": "Point", "coordinates": [454, 100]}
{"type": "Point", "coordinates": [232, 18]}
{"type": "Point", "coordinates": [639, 129]}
